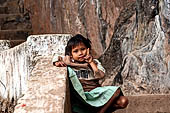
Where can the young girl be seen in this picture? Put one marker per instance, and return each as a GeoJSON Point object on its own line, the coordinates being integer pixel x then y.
{"type": "Point", "coordinates": [87, 96]}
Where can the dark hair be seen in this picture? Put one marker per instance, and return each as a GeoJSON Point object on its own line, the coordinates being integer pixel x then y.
{"type": "Point", "coordinates": [76, 40]}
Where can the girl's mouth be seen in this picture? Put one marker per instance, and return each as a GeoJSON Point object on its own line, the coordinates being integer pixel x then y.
{"type": "Point", "coordinates": [81, 58]}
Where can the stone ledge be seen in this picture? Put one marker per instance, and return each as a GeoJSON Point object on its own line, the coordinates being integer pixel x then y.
{"type": "Point", "coordinates": [46, 91]}
{"type": "Point", "coordinates": [22, 58]}
{"type": "Point", "coordinates": [21, 66]}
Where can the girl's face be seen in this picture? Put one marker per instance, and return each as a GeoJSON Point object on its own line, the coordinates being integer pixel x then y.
{"type": "Point", "coordinates": [79, 52]}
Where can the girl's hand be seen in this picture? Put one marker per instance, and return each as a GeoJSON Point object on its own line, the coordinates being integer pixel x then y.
{"type": "Point", "coordinates": [67, 60]}
{"type": "Point", "coordinates": [60, 64]}
{"type": "Point", "coordinates": [88, 58]}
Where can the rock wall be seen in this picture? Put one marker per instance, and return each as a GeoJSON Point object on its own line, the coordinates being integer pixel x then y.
{"type": "Point", "coordinates": [138, 57]}
{"type": "Point", "coordinates": [94, 19]}
{"type": "Point", "coordinates": [147, 70]}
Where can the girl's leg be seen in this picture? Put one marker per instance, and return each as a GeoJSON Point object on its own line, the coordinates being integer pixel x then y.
{"type": "Point", "coordinates": [110, 102]}
{"type": "Point", "coordinates": [121, 102]}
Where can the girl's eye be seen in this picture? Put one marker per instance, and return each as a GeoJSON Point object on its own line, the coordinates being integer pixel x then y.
{"type": "Point", "coordinates": [82, 48]}
{"type": "Point", "coordinates": [75, 51]}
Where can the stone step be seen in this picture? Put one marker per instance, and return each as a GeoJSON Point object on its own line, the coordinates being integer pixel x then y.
{"type": "Point", "coordinates": [14, 21]}
{"type": "Point", "coordinates": [9, 17]}
{"type": "Point", "coordinates": [14, 43]}
{"type": "Point", "coordinates": [3, 10]}
{"type": "Point", "coordinates": [13, 6]}
{"type": "Point", "coordinates": [147, 104]}
{"type": "Point", "coordinates": [3, 2]}
{"type": "Point", "coordinates": [14, 34]}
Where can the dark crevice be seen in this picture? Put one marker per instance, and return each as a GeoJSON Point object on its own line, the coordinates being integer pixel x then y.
{"type": "Point", "coordinates": [81, 12]}
{"type": "Point", "coordinates": [7, 106]}
{"type": "Point", "coordinates": [113, 55]}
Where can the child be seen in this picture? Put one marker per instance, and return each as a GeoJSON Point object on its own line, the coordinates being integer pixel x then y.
{"type": "Point", "coordinates": [87, 96]}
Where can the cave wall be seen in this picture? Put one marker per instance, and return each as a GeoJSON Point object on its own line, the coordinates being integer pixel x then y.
{"type": "Point", "coordinates": [94, 19]}
{"type": "Point", "coordinates": [138, 57]}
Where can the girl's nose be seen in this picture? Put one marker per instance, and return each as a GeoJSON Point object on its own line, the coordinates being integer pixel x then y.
{"type": "Point", "coordinates": [80, 52]}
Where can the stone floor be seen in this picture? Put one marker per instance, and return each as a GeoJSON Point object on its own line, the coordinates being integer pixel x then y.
{"type": "Point", "coordinates": [147, 104]}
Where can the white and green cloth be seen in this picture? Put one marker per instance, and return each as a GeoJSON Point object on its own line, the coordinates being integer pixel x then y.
{"type": "Point", "coordinates": [96, 97]}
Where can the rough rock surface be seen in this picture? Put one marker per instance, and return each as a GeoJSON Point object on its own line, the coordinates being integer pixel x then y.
{"type": "Point", "coordinates": [94, 19]}
{"type": "Point", "coordinates": [138, 56]}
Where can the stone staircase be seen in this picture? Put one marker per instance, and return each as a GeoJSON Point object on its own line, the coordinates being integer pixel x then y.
{"type": "Point", "coordinates": [15, 23]}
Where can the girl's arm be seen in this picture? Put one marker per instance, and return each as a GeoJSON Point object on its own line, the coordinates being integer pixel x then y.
{"type": "Point", "coordinates": [97, 72]}
{"type": "Point", "coordinates": [68, 62]}
{"type": "Point", "coordinates": [59, 64]}
{"type": "Point", "coordinates": [85, 65]}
